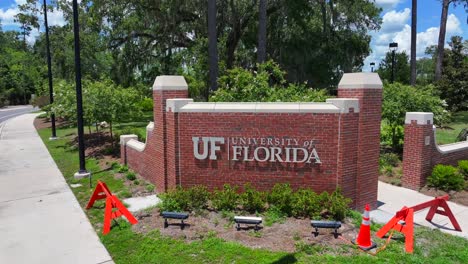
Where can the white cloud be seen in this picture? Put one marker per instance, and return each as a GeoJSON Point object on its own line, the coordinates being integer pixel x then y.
{"type": "Point", "coordinates": [387, 4]}
{"type": "Point", "coordinates": [7, 17]}
{"type": "Point", "coordinates": [393, 21]}
{"type": "Point", "coordinates": [402, 36]}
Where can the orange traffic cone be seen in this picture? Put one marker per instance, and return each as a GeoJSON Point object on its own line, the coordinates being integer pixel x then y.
{"type": "Point", "coordinates": [363, 239]}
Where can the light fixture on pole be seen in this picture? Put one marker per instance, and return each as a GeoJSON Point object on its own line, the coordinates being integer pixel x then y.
{"type": "Point", "coordinates": [393, 47]}
{"type": "Point", "coordinates": [49, 71]}
{"type": "Point", "coordinates": [372, 64]}
{"type": "Point", "coordinates": [82, 172]}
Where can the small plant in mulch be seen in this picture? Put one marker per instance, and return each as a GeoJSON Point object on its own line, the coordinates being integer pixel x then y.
{"type": "Point", "coordinates": [131, 176]}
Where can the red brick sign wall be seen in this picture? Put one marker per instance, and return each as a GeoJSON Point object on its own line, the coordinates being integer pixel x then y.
{"type": "Point", "coordinates": [309, 145]}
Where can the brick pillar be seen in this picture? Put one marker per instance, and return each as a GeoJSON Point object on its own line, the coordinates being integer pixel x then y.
{"type": "Point", "coordinates": [164, 87]}
{"type": "Point", "coordinates": [172, 127]}
{"type": "Point", "coordinates": [367, 88]}
{"type": "Point", "coordinates": [417, 151]}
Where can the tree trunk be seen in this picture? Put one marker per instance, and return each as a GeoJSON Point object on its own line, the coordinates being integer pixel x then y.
{"type": "Point", "coordinates": [111, 134]}
{"type": "Point", "coordinates": [440, 44]}
{"type": "Point", "coordinates": [414, 12]}
{"type": "Point", "coordinates": [262, 31]}
{"type": "Point", "coordinates": [212, 46]}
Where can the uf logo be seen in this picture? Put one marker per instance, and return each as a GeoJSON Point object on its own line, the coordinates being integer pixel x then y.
{"type": "Point", "coordinates": [213, 147]}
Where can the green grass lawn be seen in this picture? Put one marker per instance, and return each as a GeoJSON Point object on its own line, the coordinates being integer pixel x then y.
{"type": "Point", "coordinates": [449, 135]}
{"type": "Point", "coordinates": [126, 246]}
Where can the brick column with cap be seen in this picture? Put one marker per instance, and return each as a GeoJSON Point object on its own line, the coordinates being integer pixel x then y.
{"type": "Point", "coordinates": [164, 87]}
{"type": "Point", "coordinates": [367, 87]}
{"type": "Point", "coordinates": [417, 153]}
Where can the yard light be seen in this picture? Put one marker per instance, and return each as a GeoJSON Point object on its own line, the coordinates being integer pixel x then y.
{"type": "Point", "coordinates": [82, 172]}
{"type": "Point", "coordinates": [393, 47]}
{"type": "Point", "coordinates": [372, 64]}
{"type": "Point", "coordinates": [49, 72]}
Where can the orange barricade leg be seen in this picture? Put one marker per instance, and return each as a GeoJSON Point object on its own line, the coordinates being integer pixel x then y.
{"type": "Point", "coordinates": [101, 192]}
{"type": "Point", "coordinates": [442, 202]}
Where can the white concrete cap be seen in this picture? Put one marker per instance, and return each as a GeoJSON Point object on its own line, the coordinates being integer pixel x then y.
{"type": "Point", "coordinates": [136, 145]}
{"type": "Point", "coordinates": [125, 138]}
{"type": "Point", "coordinates": [173, 105]}
{"type": "Point", "coordinates": [170, 83]}
{"type": "Point", "coordinates": [360, 80]}
{"type": "Point", "coordinates": [421, 118]}
{"type": "Point", "coordinates": [345, 104]}
{"type": "Point", "coordinates": [259, 108]}
{"type": "Point", "coordinates": [150, 127]}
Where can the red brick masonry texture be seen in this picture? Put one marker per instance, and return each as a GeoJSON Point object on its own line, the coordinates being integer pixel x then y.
{"type": "Point", "coordinates": [262, 145]}
{"type": "Point", "coordinates": [421, 153]}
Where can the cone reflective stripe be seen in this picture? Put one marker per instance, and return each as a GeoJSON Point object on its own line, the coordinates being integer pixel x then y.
{"type": "Point", "coordinates": [363, 239]}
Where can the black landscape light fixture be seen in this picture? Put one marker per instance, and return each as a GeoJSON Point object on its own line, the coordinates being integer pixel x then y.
{"type": "Point", "coordinates": [372, 64]}
{"type": "Point", "coordinates": [49, 72]}
{"type": "Point", "coordinates": [82, 172]}
{"type": "Point", "coordinates": [393, 47]}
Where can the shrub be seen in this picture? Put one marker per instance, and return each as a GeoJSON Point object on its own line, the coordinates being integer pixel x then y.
{"type": "Point", "coordinates": [149, 187]}
{"type": "Point", "coordinates": [131, 176]}
{"type": "Point", "coordinates": [339, 205]}
{"type": "Point", "coordinates": [252, 200]}
{"type": "Point", "coordinates": [280, 196]}
{"type": "Point", "coordinates": [40, 101]}
{"type": "Point", "coordinates": [175, 200]}
{"type": "Point", "coordinates": [146, 105]}
{"type": "Point", "coordinates": [389, 159]}
{"type": "Point", "coordinates": [225, 199]}
{"type": "Point", "coordinates": [198, 197]}
{"type": "Point", "coordinates": [446, 177]}
{"type": "Point", "coordinates": [122, 168]}
{"type": "Point", "coordinates": [305, 204]}
{"type": "Point", "coordinates": [463, 168]}
{"type": "Point", "coordinates": [274, 215]}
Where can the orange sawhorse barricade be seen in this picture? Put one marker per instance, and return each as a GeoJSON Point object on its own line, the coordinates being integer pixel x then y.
{"type": "Point", "coordinates": [407, 215]}
{"type": "Point", "coordinates": [103, 192]}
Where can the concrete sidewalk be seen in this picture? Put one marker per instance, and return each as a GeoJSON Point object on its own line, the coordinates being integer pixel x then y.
{"type": "Point", "coordinates": [393, 198]}
{"type": "Point", "coordinates": [40, 218]}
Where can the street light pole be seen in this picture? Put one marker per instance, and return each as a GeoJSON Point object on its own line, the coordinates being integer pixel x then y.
{"type": "Point", "coordinates": [393, 47]}
{"type": "Point", "coordinates": [49, 71]}
{"type": "Point", "coordinates": [82, 173]}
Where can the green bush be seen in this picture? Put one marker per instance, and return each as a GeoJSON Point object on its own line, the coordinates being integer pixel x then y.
{"type": "Point", "coordinates": [252, 200]}
{"type": "Point", "coordinates": [146, 105]}
{"type": "Point", "coordinates": [390, 159]}
{"type": "Point", "coordinates": [198, 197]}
{"type": "Point", "coordinates": [149, 187]}
{"type": "Point", "coordinates": [446, 177]}
{"type": "Point", "coordinates": [339, 205]}
{"type": "Point", "coordinates": [463, 168]}
{"type": "Point", "coordinates": [305, 203]}
{"type": "Point", "coordinates": [122, 169]}
{"type": "Point", "coordinates": [131, 176]}
{"type": "Point", "coordinates": [281, 196]}
{"type": "Point", "coordinates": [225, 199]}
{"type": "Point", "coordinates": [274, 215]}
{"type": "Point", "coordinates": [175, 200]}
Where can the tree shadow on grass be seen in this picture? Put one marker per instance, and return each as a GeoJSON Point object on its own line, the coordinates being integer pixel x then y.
{"type": "Point", "coordinates": [290, 258]}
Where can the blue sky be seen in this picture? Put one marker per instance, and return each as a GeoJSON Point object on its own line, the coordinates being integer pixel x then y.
{"type": "Point", "coordinates": [396, 25]}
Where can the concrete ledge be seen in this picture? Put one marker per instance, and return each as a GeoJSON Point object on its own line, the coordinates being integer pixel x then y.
{"type": "Point", "coordinates": [360, 80]}
{"type": "Point", "coordinates": [125, 138]}
{"type": "Point", "coordinates": [421, 118]}
{"type": "Point", "coordinates": [345, 104]}
{"type": "Point", "coordinates": [136, 145]}
{"type": "Point", "coordinates": [257, 108]}
{"type": "Point", "coordinates": [174, 105]}
{"type": "Point", "coordinates": [170, 83]}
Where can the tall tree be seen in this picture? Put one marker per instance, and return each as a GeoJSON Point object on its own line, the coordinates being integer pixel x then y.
{"type": "Point", "coordinates": [262, 31]}
{"type": "Point", "coordinates": [441, 42]}
{"type": "Point", "coordinates": [212, 45]}
{"type": "Point", "coordinates": [401, 67]}
{"type": "Point", "coordinates": [414, 12]}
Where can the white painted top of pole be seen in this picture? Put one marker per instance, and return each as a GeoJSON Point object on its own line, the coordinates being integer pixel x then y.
{"type": "Point", "coordinates": [170, 83]}
{"type": "Point", "coordinates": [360, 80]}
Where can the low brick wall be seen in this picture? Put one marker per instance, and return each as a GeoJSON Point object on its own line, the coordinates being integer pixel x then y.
{"type": "Point", "coordinates": [308, 145]}
{"type": "Point", "coordinates": [421, 152]}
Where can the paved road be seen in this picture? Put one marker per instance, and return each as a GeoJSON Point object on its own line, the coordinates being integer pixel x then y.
{"type": "Point", "coordinates": [40, 219]}
{"type": "Point", "coordinates": [12, 111]}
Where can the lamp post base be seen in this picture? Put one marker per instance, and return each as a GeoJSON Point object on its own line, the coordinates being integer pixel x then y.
{"type": "Point", "coordinates": [53, 138]}
{"type": "Point", "coordinates": [81, 174]}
